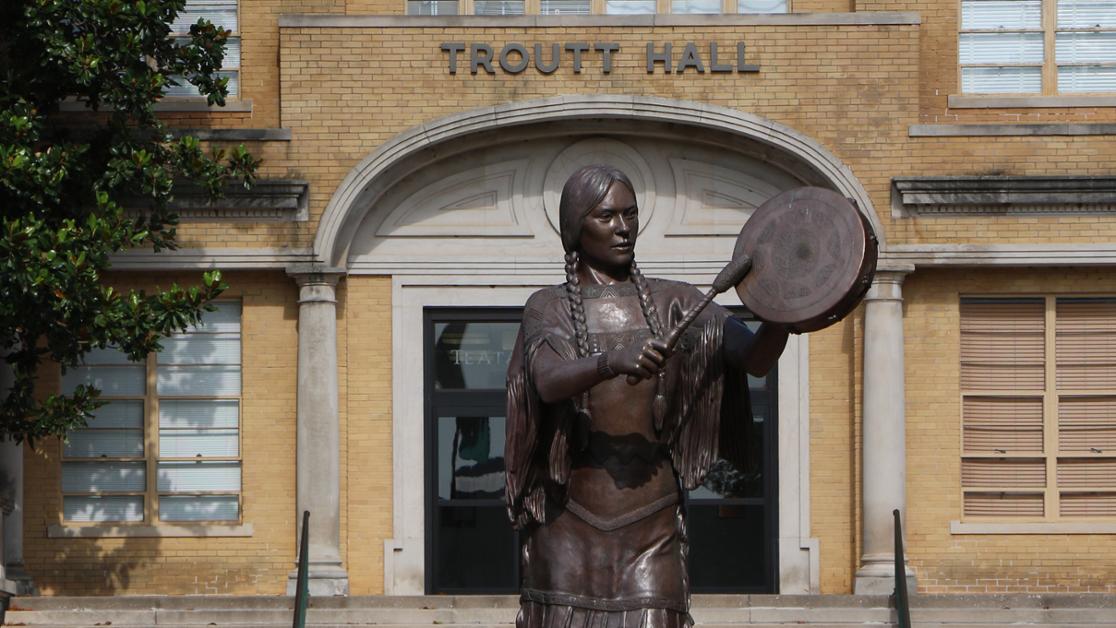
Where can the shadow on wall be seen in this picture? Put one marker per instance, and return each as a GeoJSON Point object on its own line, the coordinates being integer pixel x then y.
{"type": "Point", "coordinates": [96, 566]}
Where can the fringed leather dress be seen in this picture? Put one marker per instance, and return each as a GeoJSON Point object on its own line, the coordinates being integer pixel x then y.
{"type": "Point", "coordinates": [597, 493]}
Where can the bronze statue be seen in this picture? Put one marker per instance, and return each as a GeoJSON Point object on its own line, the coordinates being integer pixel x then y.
{"type": "Point", "coordinates": [596, 464]}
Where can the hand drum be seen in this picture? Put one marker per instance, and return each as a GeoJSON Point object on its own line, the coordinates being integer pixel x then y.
{"type": "Point", "coordinates": [813, 257]}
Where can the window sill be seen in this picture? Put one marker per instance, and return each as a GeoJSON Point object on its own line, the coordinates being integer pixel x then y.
{"type": "Point", "coordinates": [1060, 527]}
{"type": "Point", "coordinates": [963, 101]}
{"type": "Point", "coordinates": [175, 105]}
{"type": "Point", "coordinates": [57, 531]}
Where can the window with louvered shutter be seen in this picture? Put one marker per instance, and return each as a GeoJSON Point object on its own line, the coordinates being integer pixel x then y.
{"type": "Point", "coordinates": [166, 445]}
{"type": "Point", "coordinates": [1038, 407]}
{"type": "Point", "coordinates": [1003, 470]}
{"type": "Point", "coordinates": [223, 14]}
{"type": "Point", "coordinates": [1085, 346]}
{"type": "Point", "coordinates": [1037, 46]}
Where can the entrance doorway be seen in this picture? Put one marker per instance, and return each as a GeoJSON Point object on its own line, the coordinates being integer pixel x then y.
{"type": "Point", "coordinates": [732, 519]}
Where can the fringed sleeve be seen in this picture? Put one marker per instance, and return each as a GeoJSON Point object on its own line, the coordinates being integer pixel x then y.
{"type": "Point", "coordinates": [536, 450]}
{"type": "Point", "coordinates": [524, 496]}
{"type": "Point", "coordinates": [712, 413]}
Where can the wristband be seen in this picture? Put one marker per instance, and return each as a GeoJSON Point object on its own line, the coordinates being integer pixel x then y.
{"type": "Point", "coordinates": [603, 368]}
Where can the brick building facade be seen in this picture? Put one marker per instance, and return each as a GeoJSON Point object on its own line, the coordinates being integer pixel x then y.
{"type": "Point", "coordinates": [405, 194]}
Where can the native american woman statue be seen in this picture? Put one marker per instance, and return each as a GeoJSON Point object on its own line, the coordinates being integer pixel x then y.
{"type": "Point", "coordinates": [607, 426]}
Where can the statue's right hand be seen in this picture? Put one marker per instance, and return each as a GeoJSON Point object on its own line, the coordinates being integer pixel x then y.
{"type": "Point", "coordinates": [640, 361]}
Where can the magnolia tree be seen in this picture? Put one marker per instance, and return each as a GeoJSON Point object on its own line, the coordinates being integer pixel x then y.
{"type": "Point", "coordinates": [75, 188]}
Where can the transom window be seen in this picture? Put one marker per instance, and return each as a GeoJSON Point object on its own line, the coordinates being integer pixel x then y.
{"type": "Point", "coordinates": [224, 14]}
{"type": "Point", "coordinates": [592, 7]}
{"type": "Point", "coordinates": [1037, 46]}
{"type": "Point", "coordinates": [166, 445]}
{"type": "Point", "coordinates": [1038, 405]}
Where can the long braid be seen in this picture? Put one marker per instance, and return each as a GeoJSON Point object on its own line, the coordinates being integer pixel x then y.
{"type": "Point", "coordinates": [646, 303]}
{"type": "Point", "coordinates": [577, 306]}
{"type": "Point", "coordinates": [651, 313]}
{"type": "Point", "coordinates": [560, 446]}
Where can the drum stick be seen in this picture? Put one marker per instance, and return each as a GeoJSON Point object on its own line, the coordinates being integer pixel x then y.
{"type": "Point", "coordinates": [731, 275]}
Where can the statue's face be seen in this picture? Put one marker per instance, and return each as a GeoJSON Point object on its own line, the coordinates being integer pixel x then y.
{"type": "Point", "coordinates": [608, 232]}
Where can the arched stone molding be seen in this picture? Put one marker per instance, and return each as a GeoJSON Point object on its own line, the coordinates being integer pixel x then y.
{"type": "Point", "coordinates": [419, 146]}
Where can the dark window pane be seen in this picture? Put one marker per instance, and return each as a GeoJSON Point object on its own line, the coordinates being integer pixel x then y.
{"type": "Point", "coordinates": [727, 547]}
{"type": "Point", "coordinates": [471, 457]}
{"type": "Point", "coordinates": [476, 550]}
{"type": "Point", "coordinates": [472, 354]}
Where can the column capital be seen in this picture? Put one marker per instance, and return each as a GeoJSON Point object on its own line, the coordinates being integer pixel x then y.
{"type": "Point", "coordinates": [887, 285]}
{"type": "Point", "coordinates": [316, 282]}
{"type": "Point", "coordinates": [315, 274]}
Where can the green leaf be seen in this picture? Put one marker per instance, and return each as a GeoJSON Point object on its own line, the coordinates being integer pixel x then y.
{"type": "Point", "coordinates": [62, 192]}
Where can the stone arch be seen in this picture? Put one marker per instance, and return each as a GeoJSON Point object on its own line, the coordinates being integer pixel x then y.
{"type": "Point", "coordinates": [388, 207]}
{"type": "Point", "coordinates": [409, 151]}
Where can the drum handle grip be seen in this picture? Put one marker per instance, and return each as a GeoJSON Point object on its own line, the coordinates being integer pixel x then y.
{"type": "Point", "coordinates": [731, 275]}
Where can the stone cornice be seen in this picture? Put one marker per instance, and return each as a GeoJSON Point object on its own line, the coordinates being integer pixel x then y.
{"type": "Point", "coordinates": [269, 200]}
{"type": "Point", "coordinates": [1002, 195]}
{"type": "Point", "coordinates": [205, 258]}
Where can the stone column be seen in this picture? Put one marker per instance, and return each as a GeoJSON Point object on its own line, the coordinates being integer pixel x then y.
{"type": "Point", "coordinates": [11, 513]}
{"type": "Point", "coordinates": [319, 440]}
{"type": "Point", "coordinates": [884, 469]}
{"type": "Point", "coordinates": [13, 577]}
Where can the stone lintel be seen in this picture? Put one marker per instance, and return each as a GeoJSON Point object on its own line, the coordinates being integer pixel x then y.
{"type": "Point", "coordinates": [1026, 101]}
{"type": "Point", "coordinates": [858, 18]}
{"type": "Point", "coordinates": [278, 134]}
{"type": "Point", "coordinates": [1008, 130]}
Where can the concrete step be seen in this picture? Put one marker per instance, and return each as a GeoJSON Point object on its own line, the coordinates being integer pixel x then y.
{"type": "Point", "coordinates": [713, 611]}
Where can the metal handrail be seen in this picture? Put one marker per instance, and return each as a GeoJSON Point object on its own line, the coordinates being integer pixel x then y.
{"type": "Point", "coordinates": [902, 603]}
{"type": "Point", "coordinates": [302, 585]}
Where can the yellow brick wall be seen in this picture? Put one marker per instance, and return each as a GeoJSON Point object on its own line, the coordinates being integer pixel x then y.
{"type": "Point", "coordinates": [835, 358]}
{"type": "Point", "coordinates": [376, 7]}
{"type": "Point", "coordinates": [977, 563]}
{"type": "Point", "coordinates": [855, 89]}
{"type": "Point", "coordinates": [821, 6]}
{"type": "Point", "coordinates": [348, 90]}
{"type": "Point", "coordinates": [255, 565]}
{"type": "Point", "coordinates": [366, 407]}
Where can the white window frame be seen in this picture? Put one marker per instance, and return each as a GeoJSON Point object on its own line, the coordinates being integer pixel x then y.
{"type": "Point", "coordinates": [1049, 65]}
{"type": "Point", "coordinates": [238, 71]}
{"type": "Point", "coordinates": [152, 457]}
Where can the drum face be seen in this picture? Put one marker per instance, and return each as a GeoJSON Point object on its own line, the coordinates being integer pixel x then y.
{"type": "Point", "coordinates": [813, 258]}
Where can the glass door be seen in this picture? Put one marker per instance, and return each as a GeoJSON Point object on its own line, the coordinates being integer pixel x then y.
{"type": "Point", "coordinates": [470, 545]}
{"type": "Point", "coordinates": [732, 519]}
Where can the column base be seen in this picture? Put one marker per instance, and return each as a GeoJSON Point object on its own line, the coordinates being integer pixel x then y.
{"type": "Point", "coordinates": [325, 580]}
{"type": "Point", "coordinates": [18, 581]}
{"type": "Point", "coordinates": [878, 578]}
